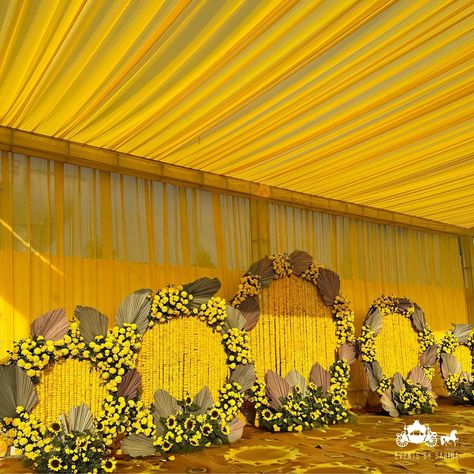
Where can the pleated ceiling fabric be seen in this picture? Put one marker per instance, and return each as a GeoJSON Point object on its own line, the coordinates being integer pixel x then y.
{"type": "Point", "coordinates": [364, 101]}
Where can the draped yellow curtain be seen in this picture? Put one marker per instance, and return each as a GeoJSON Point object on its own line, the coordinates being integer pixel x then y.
{"type": "Point", "coordinates": [75, 235]}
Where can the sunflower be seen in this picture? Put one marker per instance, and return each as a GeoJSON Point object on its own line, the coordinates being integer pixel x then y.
{"type": "Point", "coordinates": [55, 427]}
{"type": "Point", "coordinates": [190, 424]}
{"type": "Point", "coordinates": [267, 414]}
{"type": "Point", "coordinates": [54, 464]}
{"type": "Point", "coordinates": [206, 429]}
{"type": "Point", "coordinates": [108, 465]}
{"type": "Point", "coordinates": [166, 446]}
{"type": "Point", "coordinates": [188, 400]}
{"type": "Point", "coordinates": [214, 413]}
{"type": "Point", "coordinates": [171, 421]}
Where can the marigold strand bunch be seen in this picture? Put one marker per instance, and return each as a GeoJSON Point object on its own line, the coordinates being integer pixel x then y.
{"type": "Point", "coordinates": [344, 318]}
{"type": "Point", "coordinates": [367, 345]}
{"type": "Point", "coordinates": [237, 347]}
{"type": "Point", "coordinates": [250, 285]}
{"type": "Point", "coordinates": [115, 353]}
{"type": "Point", "coordinates": [169, 302]}
{"type": "Point", "coordinates": [281, 265]}
{"type": "Point", "coordinates": [312, 273]}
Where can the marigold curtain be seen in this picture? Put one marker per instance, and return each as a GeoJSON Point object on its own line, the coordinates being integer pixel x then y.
{"type": "Point", "coordinates": [74, 235]}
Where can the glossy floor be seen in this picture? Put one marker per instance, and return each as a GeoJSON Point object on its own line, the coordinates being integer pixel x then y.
{"type": "Point", "coordinates": [365, 445]}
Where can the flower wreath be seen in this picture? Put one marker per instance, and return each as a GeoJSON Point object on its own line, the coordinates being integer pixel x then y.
{"type": "Point", "coordinates": [459, 383]}
{"type": "Point", "coordinates": [399, 395]}
{"type": "Point", "coordinates": [291, 403]}
{"type": "Point", "coordinates": [112, 353]}
{"type": "Point", "coordinates": [171, 425]}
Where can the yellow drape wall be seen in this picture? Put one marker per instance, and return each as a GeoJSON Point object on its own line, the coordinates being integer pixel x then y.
{"type": "Point", "coordinates": [74, 235]}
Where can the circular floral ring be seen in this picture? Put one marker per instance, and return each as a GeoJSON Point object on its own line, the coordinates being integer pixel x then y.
{"type": "Point", "coordinates": [290, 403]}
{"type": "Point", "coordinates": [459, 383]}
{"type": "Point", "coordinates": [112, 352]}
{"type": "Point", "coordinates": [399, 395]}
{"type": "Point", "coordinates": [190, 423]}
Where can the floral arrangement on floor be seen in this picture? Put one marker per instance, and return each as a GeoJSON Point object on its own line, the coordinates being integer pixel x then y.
{"type": "Point", "coordinates": [399, 396]}
{"type": "Point", "coordinates": [290, 403]}
{"type": "Point", "coordinates": [459, 383]}
{"type": "Point", "coordinates": [192, 423]}
{"type": "Point", "coordinates": [72, 444]}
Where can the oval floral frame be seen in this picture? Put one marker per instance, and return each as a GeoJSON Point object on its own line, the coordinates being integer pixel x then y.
{"type": "Point", "coordinates": [399, 396]}
{"type": "Point", "coordinates": [290, 403]}
{"type": "Point", "coordinates": [459, 383]}
{"type": "Point", "coordinates": [171, 425]}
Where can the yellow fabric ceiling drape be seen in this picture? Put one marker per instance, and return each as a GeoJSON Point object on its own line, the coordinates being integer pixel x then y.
{"type": "Point", "coordinates": [74, 235]}
{"type": "Point", "coordinates": [364, 101]}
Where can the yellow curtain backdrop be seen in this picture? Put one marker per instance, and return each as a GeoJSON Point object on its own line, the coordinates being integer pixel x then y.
{"type": "Point", "coordinates": [74, 235]}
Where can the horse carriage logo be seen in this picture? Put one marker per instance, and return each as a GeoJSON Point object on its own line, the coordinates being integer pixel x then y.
{"type": "Point", "coordinates": [417, 433]}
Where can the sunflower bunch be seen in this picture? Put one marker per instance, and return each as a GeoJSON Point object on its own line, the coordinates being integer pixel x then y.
{"type": "Point", "coordinates": [115, 353]}
{"type": "Point", "coordinates": [33, 355]}
{"type": "Point", "coordinates": [300, 411]}
{"type": "Point", "coordinates": [449, 343]}
{"type": "Point", "coordinates": [461, 387]}
{"type": "Point", "coordinates": [213, 313]}
{"type": "Point", "coordinates": [230, 400]}
{"type": "Point", "coordinates": [168, 303]}
{"type": "Point", "coordinates": [384, 385]}
{"type": "Point", "coordinates": [344, 319]}
{"type": "Point", "coordinates": [237, 347]}
{"type": "Point", "coordinates": [281, 264]}
{"type": "Point", "coordinates": [312, 273]}
{"type": "Point", "coordinates": [188, 431]}
{"type": "Point", "coordinates": [250, 285]}
{"type": "Point", "coordinates": [123, 416]}
{"type": "Point", "coordinates": [385, 304]}
{"type": "Point", "coordinates": [414, 399]}
{"type": "Point", "coordinates": [75, 452]}
{"type": "Point", "coordinates": [426, 339]}
{"type": "Point", "coordinates": [31, 436]}
{"type": "Point", "coordinates": [367, 344]}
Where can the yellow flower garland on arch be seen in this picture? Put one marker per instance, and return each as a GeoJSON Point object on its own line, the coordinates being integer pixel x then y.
{"type": "Point", "coordinates": [457, 368]}
{"type": "Point", "coordinates": [399, 395]}
{"type": "Point", "coordinates": [313, 406]}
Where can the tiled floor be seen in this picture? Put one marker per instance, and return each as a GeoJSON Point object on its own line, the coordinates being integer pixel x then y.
{"type": "Point", "coordinates": [365, 445]}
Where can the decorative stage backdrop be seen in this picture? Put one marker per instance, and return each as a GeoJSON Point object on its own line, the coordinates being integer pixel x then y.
{"type": "Point", "coordinates": [74, 235]}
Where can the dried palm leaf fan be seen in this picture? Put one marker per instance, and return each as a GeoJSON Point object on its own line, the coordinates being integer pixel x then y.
{"type": "Point", "coordinates": [396, 342]}
{"type": "Point", "coordinates": [16, 390]}
{"type": "Point", "coordinates": [290, 302]}
{"type": "Point", "coordinates": [181, 353]}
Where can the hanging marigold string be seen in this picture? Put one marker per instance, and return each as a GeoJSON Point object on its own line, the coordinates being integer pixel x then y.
{"type": "Point", "coordinates": [295, 328]}
{"type": "Point", "coordinates": [181, 357]}
{"type": "Point", "coordinates": [397, 348]}
{"type": "Point", "coordinates": [68, 383]}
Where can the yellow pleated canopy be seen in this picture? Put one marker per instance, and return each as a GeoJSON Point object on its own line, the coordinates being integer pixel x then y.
{"type": "Point", "coordinates": [364, 101]}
